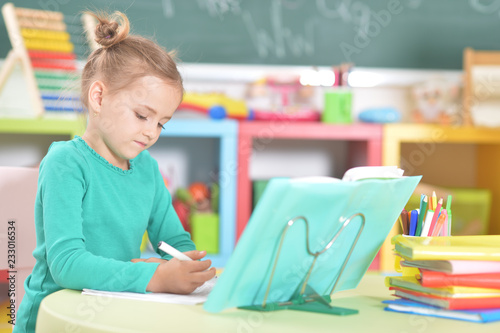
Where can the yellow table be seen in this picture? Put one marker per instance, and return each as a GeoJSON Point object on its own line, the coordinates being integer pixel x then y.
{"type": "Point", "coordinates": [70, 311]}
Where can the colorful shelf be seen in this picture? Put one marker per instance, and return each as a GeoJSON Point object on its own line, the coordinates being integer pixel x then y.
{"type": "Point", "coordinates": [227, 132]}
{"type": "Point", "coordinates": [486, 141]}
{"type": "Point", "coordinates": [364, 145]}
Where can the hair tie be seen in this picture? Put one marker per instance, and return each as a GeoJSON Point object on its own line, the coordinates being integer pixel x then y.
{"type": "Point", "coordinates": [108, 36]}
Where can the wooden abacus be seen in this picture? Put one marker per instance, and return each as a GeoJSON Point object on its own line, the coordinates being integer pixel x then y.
{"type": "Point", "coordinates": [41, 44]}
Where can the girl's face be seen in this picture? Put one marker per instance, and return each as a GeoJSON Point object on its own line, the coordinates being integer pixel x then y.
{"type": "Point", "coordinates": [130, 120]}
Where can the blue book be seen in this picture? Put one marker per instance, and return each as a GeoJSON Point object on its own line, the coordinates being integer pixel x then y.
{"type": "Point", "coordinates": [476, 315]}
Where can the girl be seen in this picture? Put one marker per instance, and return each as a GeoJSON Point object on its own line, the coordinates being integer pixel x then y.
{"type": "Point", "coordinates": [98, 194]}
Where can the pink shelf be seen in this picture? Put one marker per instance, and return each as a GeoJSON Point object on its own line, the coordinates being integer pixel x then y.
{"type": "Point", "coordinates": [365, 147]}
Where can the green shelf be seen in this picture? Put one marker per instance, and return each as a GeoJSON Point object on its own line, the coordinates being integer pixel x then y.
{"type": "Point", "coordinates": [54, 126]}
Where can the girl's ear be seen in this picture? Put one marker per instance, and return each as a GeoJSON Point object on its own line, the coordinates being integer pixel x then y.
{"type": "Point", "coordinates": [95, 96]}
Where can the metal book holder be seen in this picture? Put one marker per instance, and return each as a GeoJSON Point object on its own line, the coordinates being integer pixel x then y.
{"type": "Point", "coordinates": [305, 298]}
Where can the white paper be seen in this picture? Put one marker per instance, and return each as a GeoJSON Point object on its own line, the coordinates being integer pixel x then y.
{"type": "Point", "coordinates": [196, 297]}
{"type": "Point", "coordinates": [366, 172]}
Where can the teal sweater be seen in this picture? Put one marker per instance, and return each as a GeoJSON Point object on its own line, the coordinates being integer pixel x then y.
{"type": "Point", "coordinates": [90, 217]}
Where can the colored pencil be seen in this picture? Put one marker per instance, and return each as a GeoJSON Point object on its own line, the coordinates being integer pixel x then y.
{"type": "Point", "coordinates": [421, 215]}
{"type": "Point", "coordinates": [406, 224]}
{"type": "Point", "coordinates": [439, 223]}
{"type": "Point", "coordinates": [434, 201]}
{"type": "Point", "coordinates": [427, 223]}
{"type": "Point", "coordinates": [435, 216]}
{"type": "Point", "coordinates": [448, 210]}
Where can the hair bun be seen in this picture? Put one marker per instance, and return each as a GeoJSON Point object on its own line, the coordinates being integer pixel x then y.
{"type": "Point", "coordinates": [108, 32]}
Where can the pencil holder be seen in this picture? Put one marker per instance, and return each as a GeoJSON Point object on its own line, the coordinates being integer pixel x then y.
{"type": "Point", "coordinates": [205, 231]}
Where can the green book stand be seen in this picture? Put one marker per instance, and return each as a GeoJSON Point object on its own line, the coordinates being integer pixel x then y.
{"type": "Point", "coordinates": [305, 298]}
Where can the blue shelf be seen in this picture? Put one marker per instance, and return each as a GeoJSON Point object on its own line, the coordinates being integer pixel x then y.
{"type": "Point", "coordinates": [227, 133]}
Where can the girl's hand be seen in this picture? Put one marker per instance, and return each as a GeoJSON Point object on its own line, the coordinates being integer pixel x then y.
{"type": "Point", "coordinates": [180, 277]}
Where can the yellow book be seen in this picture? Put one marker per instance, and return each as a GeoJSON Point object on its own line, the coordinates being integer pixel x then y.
{"type": "Point", "coordinates": [409, 271]}
{"type": "Point", "coordinates": [484, 247]}
{"type": "Point", "coordinates": [411, 283]}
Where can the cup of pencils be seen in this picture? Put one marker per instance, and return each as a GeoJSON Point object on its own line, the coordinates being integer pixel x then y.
{"type": "Point", "coordinates": [432, 218]}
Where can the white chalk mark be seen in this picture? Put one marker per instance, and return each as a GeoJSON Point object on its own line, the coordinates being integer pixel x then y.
{"type": "Point", "coordinates": [281, 38]}
{"type": "Point", "coordinates": [219, 8]}
{"type": "Point", "coordinates": [168, 8]}
{"type": "Point", "coordinates": [341, 10]}
{"type": "Point", "coordinates": [414, 4]}
{"type": "Point", "coordinates": [489, 8]}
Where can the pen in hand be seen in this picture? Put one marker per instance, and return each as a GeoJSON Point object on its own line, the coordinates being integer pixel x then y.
{"type": "Point", "coordinates": [173, 251]}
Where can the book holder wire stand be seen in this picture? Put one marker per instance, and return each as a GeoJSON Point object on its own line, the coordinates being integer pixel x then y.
{"type": "Point", "coordinates": [305, 298]}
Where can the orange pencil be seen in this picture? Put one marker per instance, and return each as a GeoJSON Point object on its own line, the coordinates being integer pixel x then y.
{"type": "Point", "coordinates": [440, 223]}
{"type": "Point", "coordinates": [435, 216]}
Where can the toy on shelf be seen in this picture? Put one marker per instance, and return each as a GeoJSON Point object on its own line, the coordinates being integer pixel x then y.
{"type": "Point", "coordinates": [183, 204]}
{"type": "Point", "coordinates": [201, 197]}
{"type": "Point", "coordinates": [381, 115]}
{"type": "Point", "coordinates": [280, 98]}
{"type": "Point", "coordinates": [197, 208]}
{"type": "Point", "coordinates": [216, 105]}
{"type": "Point", "coordinates": [43, 47]}
{"type": "Point", "coordinates": [436, 101]}
{"type": "Point", "coordinates": [481, 91]}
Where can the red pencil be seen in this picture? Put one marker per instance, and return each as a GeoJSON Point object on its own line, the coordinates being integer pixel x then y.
{"type": "Point", "coordinates": [435, 216]}
{"type": "Point", "coordinates": [439, 223]}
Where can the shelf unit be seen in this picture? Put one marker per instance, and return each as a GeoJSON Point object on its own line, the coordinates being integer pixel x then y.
{"type": "Point", "coordinates": [477, 146]}
{"type": "Point", "coordinates": [367, 144]}
{"type": "Point", "coordinates": [364, 148]}
{"type": "Point", "coordinates": [226, 132]}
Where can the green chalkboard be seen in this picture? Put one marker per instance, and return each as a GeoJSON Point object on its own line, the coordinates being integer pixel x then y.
{"type": "Point", "coordinates": [369, 33]}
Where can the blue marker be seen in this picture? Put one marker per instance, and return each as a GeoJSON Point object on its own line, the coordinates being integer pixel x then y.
{"type": "Point", "coordinates": [413, 221]}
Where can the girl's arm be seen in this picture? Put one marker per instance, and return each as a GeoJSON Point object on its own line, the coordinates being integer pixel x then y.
{"type": "Point", "coordinates": [62, 186]}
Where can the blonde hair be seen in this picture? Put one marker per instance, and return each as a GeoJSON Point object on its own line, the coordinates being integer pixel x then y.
{"type": "Point", "coordinates": [124, 58]}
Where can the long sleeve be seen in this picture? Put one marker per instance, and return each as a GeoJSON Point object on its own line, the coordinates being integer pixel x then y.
{"type": "Point", "coordinates": [63, 184]}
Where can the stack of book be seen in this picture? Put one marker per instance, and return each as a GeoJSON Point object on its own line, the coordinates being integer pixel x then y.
{"type": "Point", "coordinates": [451, 277]}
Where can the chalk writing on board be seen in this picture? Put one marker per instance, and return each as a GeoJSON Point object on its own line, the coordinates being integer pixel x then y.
{"type": "Point", "coordinates": [414, 4]}
{"type": "Point", "coordinates": [280, 40]}
{"type": "Point", "coordinates": [214, 8]}
{"type": "Point", "coordinates": [218, 8]}
{"type": "Point", "coordinates": [372, 25]}
{"type": "Point", "coordinates": [168, 8]}
{"type": "Point", "coordinates": [339, 11]}
{"type": "Point", "coordinates": [485, 7]}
